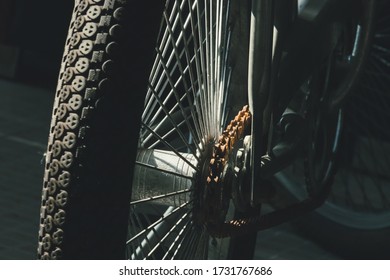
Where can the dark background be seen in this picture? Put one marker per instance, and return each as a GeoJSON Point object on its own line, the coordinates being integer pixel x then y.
{"type": "Point", "coordinates": [32, 36]}
{"type": "Point", "coordinates": [34, 32]}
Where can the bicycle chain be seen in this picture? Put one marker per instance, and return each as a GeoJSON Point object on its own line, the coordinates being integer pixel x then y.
{"type": "Point", "coordinates": [217, 195]}
{"type": "Point", "coordinates": [217, 192]}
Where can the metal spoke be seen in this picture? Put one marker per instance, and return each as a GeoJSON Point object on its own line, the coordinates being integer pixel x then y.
{"type": "Point", "coordinates": [198, 55]}
{"type": "Point", "coordinates": [152, 236]}
{"type": "Point", "coordinates": [176, 52]}
{"type": "Point", "coordinates": [190, 61]}
{"type": "Point", "coordinates": [164, 170]}
{"type": "Point", "coordinates": [158, 221]}
{"type": "Point", "coordinates": [131, 230]}
{"type": "Point", "coordinates": [176, 94]}
{"type": "Point", "coordinates": [181, 235]}
{"type": "Point", "coordinates": [208, 66]}
{"type": "Point", "coordinates": [155, 74]}
{"type": "Point", "coordinates": [169, 233]}
{"type": "Point", "coordinates": [173, 122]}
{"type": "Point", "coordinates": [204, 90]}
{"type": "Point", "coordinates": [170, 56]}
{"type": "Point", "coordinates": [171, 111]}
{"type": "Point", "coordinates": [165, 136]}
{"type": "Point", "coordinates": [188, 242]}
{"type": "Point", "coordinates": [157, 197]}
{"type": "Point", "coordinates": [140, 224]}
{"type": "Point", "coordinates": [169, 146]}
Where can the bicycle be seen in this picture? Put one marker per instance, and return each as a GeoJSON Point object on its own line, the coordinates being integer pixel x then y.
{"type": "Point", "coordinates": [238, 91]}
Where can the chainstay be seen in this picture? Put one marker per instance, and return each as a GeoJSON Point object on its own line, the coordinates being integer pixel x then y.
{"type": "Point", "coordinates": [239, 227]}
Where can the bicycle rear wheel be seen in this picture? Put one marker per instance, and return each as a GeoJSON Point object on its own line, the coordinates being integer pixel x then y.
{"type": "Point", "coordinates": [192, 95]}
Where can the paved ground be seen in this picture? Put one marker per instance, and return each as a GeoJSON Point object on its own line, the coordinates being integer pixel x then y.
{"type": "Point", "coordinates": [24, 122]}
{"type": "Point", "coordinates": [24, 119]}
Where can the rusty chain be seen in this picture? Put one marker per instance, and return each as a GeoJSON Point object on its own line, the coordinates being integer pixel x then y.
{"type": "Point", "coordinates": [217, 192]}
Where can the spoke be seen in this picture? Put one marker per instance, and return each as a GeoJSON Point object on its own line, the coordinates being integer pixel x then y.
{"type": "Point", "coordinates": [151, 104]}
{"type": "Point", "coordinates": [208, 67]}
{"type": "Point", "coordinates": [225, 73]}
{"type": "Point", "coordinates": [144, 231]}
{"type": "Point", "coordinates": [163, 45]}
{"type": "Point", "coordinates": [366, 115]}
{"type": "Point", "coordinates": [382, 35]}
{"type": "Point", "coordinates": [225, 112]}
{"type": "Point", "coordinates": [152, 237]}
{"type": "Point", "coordinates": [176, 94]}
{"type": "Point", "coordinates": [185, 230]}
{"type": "Point", "coordinates": [218, 65]}
{"type": "Point", "coordinates": [189, 241]}
{"type": "Point", "coordinates": [157, 197]}
{"type": "Point", "coordinates": [164, 170]}
{"type": "Point", "coordinates": [190, 61]}
{"type": "Point", "coordinates": [165, 136]}
{"type": "Point", "coordinates": [169, 233]}
{"type": "Point", "coordinates": [186, 87]}
{"type": "Point", "coordinates": [139, 222]}
{"type": "Point", "coordinates": [169, 146]}
{"type": "Point", "coordinates": [155, 73]}
{"type": "Point", "coordinates": [150, 107]}
{"type": "Point", "coordinates": [163, 90]}
{"type": "Point", "coordinates": [377, 179]}
{"type": "Point", "coordinates": [199, 66]}
{"type": "Point", "coordinates": [381, 59]}
{"type": "Point", "coordinates": [173, 122]}
{"type": "Point", "coordinates": [203, 89]}
{"type": "Point", "coordinates": [131, 230]}
{"type": "Point", "coordinates": [362, 188]}
{"type": "Point", "coordinates": [155, 117]}
{"type": "Point", "coordinates": [170, 57]}
{"type": "Point", "coordinates": [211, 62]}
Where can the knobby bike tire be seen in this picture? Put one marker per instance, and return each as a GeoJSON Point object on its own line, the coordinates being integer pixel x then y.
{"type": "Point", "coordinates": [91, 147]}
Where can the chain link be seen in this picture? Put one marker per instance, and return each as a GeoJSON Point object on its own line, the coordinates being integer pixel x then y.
{"type": "Point", "coordinates": [217, 194]}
